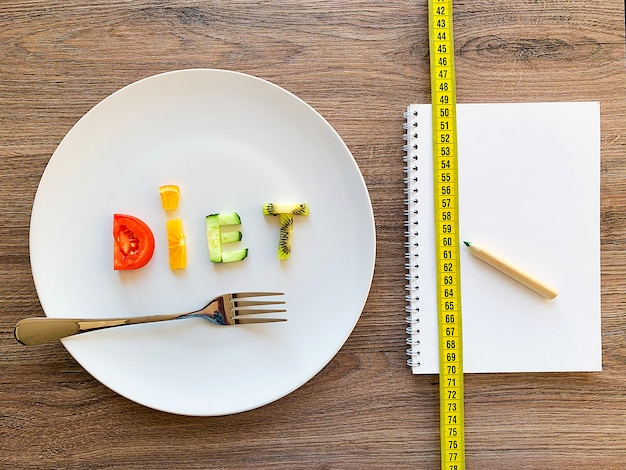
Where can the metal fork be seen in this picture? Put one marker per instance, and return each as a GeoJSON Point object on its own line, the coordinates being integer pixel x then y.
{"type": "Point", "coordinates": [226, 310]}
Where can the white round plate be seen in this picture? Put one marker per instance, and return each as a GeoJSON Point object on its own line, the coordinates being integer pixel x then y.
{"type": "Point", "coordinates": [231, 142]}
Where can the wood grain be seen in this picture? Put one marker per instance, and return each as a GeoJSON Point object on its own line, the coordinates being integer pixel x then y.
{"type": "Point", "coordinates": [359, 63]}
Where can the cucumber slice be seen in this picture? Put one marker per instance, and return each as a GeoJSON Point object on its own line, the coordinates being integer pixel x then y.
{"type": "Point", "coordinates": [229, 218]}
{"type": "Point", "coordinates": [234, 255]}
{"type": "Point", "coordinates": [231, 237]}
{"type": "Point", "coordinates": [216, 239]}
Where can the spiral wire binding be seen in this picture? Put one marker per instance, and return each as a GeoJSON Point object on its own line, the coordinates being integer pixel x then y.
{"type": "Point", "coordinates": [411, 231]}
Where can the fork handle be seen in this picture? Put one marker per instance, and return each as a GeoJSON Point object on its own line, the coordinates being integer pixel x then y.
{"type": "Point", "coordinates": [40, 330]}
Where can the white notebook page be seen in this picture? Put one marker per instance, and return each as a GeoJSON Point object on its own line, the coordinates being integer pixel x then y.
{"type": "Point", "coordinates": [529, 190]}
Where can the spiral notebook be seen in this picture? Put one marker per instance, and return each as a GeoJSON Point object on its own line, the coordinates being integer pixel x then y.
{"type": "Point", "coordinates": [529, 189]}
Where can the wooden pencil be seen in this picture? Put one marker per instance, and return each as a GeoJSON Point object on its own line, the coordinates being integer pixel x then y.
{"type": "Point", "coordinates": [516, 273]}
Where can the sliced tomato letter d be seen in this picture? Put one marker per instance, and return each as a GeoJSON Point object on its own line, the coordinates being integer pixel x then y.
{"type": "Point", "coordinates": [133, 242]}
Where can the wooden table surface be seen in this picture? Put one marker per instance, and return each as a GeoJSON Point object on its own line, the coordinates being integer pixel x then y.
{"type": "Point", "coordinates": [359, 63]}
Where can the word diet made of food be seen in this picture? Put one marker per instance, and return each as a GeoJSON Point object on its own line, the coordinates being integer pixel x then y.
{"type": "Point", "coordinates": [133, 240]}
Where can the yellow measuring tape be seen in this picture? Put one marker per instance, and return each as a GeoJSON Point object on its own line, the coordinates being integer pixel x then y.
{"type": "Point", "coordinates": [443, 91]}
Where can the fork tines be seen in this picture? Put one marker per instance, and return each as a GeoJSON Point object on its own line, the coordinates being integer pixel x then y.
{"type": "Point", "coordinates": [241, 307]}
{"type": "Point", "coordinates": [243, 295]}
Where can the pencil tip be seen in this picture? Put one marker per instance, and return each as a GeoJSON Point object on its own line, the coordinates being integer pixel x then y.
{"type": "Point", "coordinates": [467, 243]}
